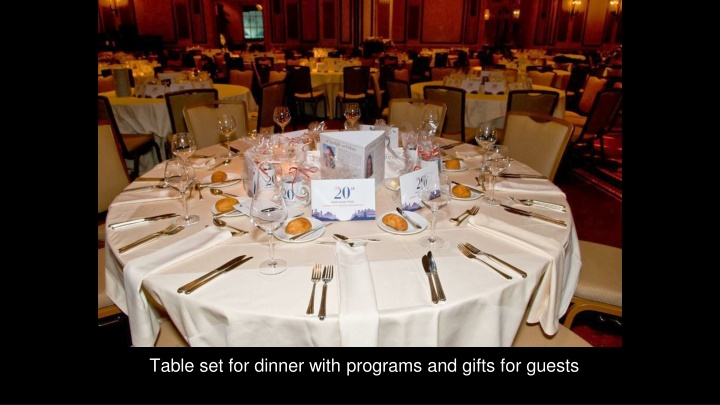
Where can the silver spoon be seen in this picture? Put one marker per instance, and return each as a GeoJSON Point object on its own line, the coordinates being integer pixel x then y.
{"type": "Point", "coordinates": [224, 162]}
{"type": "Point", "coordinates": [222, 224]}
{"type": "Point", "coordinates": [216, 191]}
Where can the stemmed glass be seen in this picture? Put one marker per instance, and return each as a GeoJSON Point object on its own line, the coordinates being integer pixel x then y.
{"type": "Point", "coordinates": [435, 194]}
{"type": "Point", "coordinates": [352, 114]}
{"type": "Point", "coordinates": [430, 121]}
{"type": "Point", "coordinates": [183, 145]}
{"type": "Point", "coordinates": [486, 135]}
{"type": "Point", "coordinates": [497, 159]}
{"type": "Point", "coordinates": [226, 126]}
{"type": "Point", "coordinates": [281, 116]}
{"type": "Point", "coordinates": [268, 212]}
{"type": "Point", "coordinates": [180, 175]}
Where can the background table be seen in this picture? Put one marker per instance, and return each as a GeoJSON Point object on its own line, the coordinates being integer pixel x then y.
{"type": "Point", "coordinates": [246, 308]}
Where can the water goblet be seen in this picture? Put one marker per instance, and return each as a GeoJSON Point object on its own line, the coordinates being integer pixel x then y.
{"type": "Point", "coordinates": [497, 159]}
{"type": "Point", "coordinates": [486, 135]}
{"type": "Point", "coordinates": [226, 126]}
{"type": "Point", "coordinates": [430, 121]}
{"type": "Point", "coordinates": [183, 145]}
{"type": "Point", "coordinates": [268, 212]}
{"type": "Point", "coordinates": [352, 115]}
{"type": "Point", "coordinates": [180, 175]}
{"type": "Point", "coordinates": [281, 116]}
{"type": "Point", "coordinates": [435, 194]}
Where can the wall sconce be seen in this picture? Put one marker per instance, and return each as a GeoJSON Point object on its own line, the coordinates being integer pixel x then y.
{"type": "Point", "coordinates": [574, 8]}
{"type": "Point", "coordinates": [516, 13]}
{"type": "Point", "coordinates": [487, 14]}
{"type": "Point", "coordinates": [115, 5]}
{"type": "Point", "coordinates": [614, 8]}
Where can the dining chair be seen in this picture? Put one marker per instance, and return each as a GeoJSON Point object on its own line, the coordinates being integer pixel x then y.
{"type": "Point", "coordinates": [598, 122]}
{"type": "Point", "coordinates": [241, 77]}
{"type": "Point", "coordinates": [356, 81]}
{"type": "Point", "coordinates": [176, 101]}
{"type": "Point", "coordinates": [592, 86]}
{"type": "Point", "coordinates": [441, 59]}
{"type": "Point", "coordinates": [202, 120]}
{"type": "Point", "coordinates": [375, 95]}
{"type": "Point", "coordinates": [454, 99]}
{"type": "Point", "coordinates": [420, 70]}
{"type": "Point", "coordinates": [542, 78]}
{"type": "Point", "coordinates": [533, 336]}
{"type": "Point", "coordinates": [540, 101]}
{"type": "Point", "coordinates": [133, 146]}
{"type": "Point", "coordinates": [538, 140]}
{"type": "Point", "coordinates": [271, 95]}
{"type": "Point", "coordinates": [396, 89]}
{"type": "Point", "coordinates": [299, 91]}
{"type": "Point", "coordinates": [599, 286]}
{"type": "Point", "coordinates": [402, 75]}
{"type": "Point", "coordinates": [578, 76]}
{"type": "Point", "coordinates": [439, 73]}
{"type": "Point", "coordinates": [407, 113]}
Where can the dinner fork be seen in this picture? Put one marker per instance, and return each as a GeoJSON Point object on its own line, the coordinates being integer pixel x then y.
{"type": "Point", "coordinates": [472, 211]}
{"type": "Point", "coordinates": [494, 258]}
{"type": "Point", "coordinates": [327, 276]}
{"type": "Point", "coordinates": [470, 255]}
{"type": "Point", "coordinates": [316, 272]}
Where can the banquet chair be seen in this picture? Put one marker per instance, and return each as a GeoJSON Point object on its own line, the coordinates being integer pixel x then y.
{"type": "Point", "coordinates": [402, 75]}
{"type": "Point", "coordinates": [420, 70]}
{"type": "Point", "coordinates": [202, 120]}
{"type": "Point", "coordinates": [396, 89]}
{"type": "Point", "coordinates": [454, 99]}
{"type": "Point", "coordinates": [540, 101]}
{"type": "Point", "coordinates": [375, 96]}
{"type": "Point", "coordinates": [356, 81]}
{"type": "Point", "coordinates": [176, 101]}
{"type": "Point", "coordinates": [106, 83]}
{"type": "Point", "coordinates": [533, 336]}
{"type": "Point", "coordinates": [592, 86]}
{"type": "Point", "coordinates": [538, 140]}
{"type": "Point", "coordinates": [241, 77]}
{"type": "Point", "coordinates": [441, 59]}
{"type": "Point", "coordinates": [439, 73]}
{"type": "Point", "coordinates": [299, 91]}
{"type": "Point", "coordinates": [578, 76]}
{"type": "Point", "coordinates": [542, 78]}
{"type": "Point", "coordinates": [407, 113]}
{"type": "Point", "coordinates": [596, 124]}
{"type": "Point", "coordinates": [271, 95]}
{"type": "Point", "coordinates": [599, 286]}
{"type": "Point", "coordinates": [132, 145]}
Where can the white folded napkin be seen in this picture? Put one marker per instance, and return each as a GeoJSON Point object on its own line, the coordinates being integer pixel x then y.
{"type": "Point", "coordinates": [144, 325]}
{"type": "Point", "coordinates": [358, 316]}
{"type": "Point", "coordinates": [548, 310]}
{"type": "Point", "coordinates": [145, 194]}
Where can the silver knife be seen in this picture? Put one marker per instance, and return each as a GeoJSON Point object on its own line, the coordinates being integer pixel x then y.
{"type": "Point", "coordinates": [300, 235]}
{"type": "Point", "coordinates": [534, 215]}
{"type": "Point", "coordinates": [220, 183]}
{"type": "Point", "coordinates": [202, 283]}
{"type": "Point", "coordinates": [139, 220]}
{"type": "Point", "coordinates": [428, 270]}
{"type": "Point", "coordinates": [548, 204]}
{"type": "Point", "coordinates": [232, 148]}
{"type": "Point", "coordinates": [160, 186]}
{"type": "Point", "coordinates": [413, 223]}
{"type": "Point", "coordinates": [470, 188]}
{"type": "Point", "coordinates": [210, 273]}
{"type": "Point", "coordinates": [433, 267]}
{"type": "Point", "coordinates": [522, 176]}
{"type": "Point", "coordinates": [149, 179]}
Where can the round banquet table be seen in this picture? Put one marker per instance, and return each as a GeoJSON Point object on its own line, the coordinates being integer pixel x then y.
{"type": "Point", "coordinates": [245, 308]}
{"type": "Point", "coordinates": [485, 107]}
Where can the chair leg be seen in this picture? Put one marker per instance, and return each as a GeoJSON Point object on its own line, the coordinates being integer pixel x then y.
{"type": "Point", "coordinates": [136, 167]}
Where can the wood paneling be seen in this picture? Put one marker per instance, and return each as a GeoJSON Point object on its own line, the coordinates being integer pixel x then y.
{"type": "Point", "coordinates": [472, 21]}
{"type": "Point", "coordinates": [399, 19]}
{"type": "Point", "coordinates": [156, 18]}
{"type": "Point", "coordinates": [595, 22]}
{"type": "Point", "coordinates": [328, 19]}
{"type": "Point", "coordinates": [277, 21]}
{"type": "Point", "coordinates": [442, 21]}
{"type": "Point", "coordinates": [345, 22]}
{"type": "Point", "coordinates": [293, 19]}
{"type": "Point", "coordinates": [309, 20]}
{"type": "Point", "coordinates": [197, 22]}
{"type": "Point", "coordinates": [413, 18]}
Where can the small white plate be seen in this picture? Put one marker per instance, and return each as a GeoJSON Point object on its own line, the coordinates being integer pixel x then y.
{"type": "Point", "coordinates": [231, 176]}
{"type": "Point", "coordinates": [474, 195]}
{"type": "Point", "coordinates": [392, 183]}
{"type": "Point", "coordinates": [280, 234]}
{"type": "Point", "coordinates": [419, 219]}
{"type": "Point", "coordinates": [462, 168]}
{"type": "Point", "coordinates": [234, 214]}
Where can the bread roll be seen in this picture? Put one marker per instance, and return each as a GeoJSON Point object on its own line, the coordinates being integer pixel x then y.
{"type": "Point", "coordinates": [452, 164]}
{"type": "Point", "coordinates": [226, 204]}
{"type": "Point", "coordinates": [298, 225]}
{"type": "Point", "coordinates": [218, 176]}
{"type": "Point", "coordinates": [461, 191]}
{"type": "Point", "coordinates": [396, 222]}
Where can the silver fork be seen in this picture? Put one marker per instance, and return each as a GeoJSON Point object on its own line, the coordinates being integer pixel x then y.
{"type": "Point", "coordinates": [470, 255]}
{"type": "Point", "coordinates": [317, 271]}
{"type": "Point", "coordinates": [494, 258]}
{"type": "Point", "coordinates": [327, 276]}
{"type": "Point", "coordinates": [472, 211]}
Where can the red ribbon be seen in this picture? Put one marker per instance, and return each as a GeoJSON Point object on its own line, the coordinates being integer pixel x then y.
{"type": "Point", "coordinates": [295, 170]}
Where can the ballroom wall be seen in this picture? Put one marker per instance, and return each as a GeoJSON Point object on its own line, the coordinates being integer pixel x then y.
{"type": "Point", "coordinates": [344, 23]}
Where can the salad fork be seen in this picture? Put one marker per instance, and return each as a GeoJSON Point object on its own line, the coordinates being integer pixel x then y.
{"type": "Point", "coordinates": [327, 277]}
{"type": "Point", "coordinates": [315, 277]}
{"type": "Point", "coordinates": [494, 258]}
{"type": "Point", "coordinates": [472, 211]}
{"type": "Point", "coordinates": [464, 250]}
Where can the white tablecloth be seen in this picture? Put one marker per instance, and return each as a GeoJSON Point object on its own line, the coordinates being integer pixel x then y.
{"type": "Point", "coordinates": [246, 308]}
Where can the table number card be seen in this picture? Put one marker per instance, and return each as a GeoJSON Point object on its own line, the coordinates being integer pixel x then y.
{"type": "Point", "coordinates": [202, 84]}
{"type": "Point", "coordinates": [154, 91]}
{"type": "Point", "coordinates": [180, 86]}
{"type": "Point", "coordinates": [411, 184]}
{"type": "Point", "coordinates": [343, 199]}
{"type": "Point", "coordinates": [494, 87]}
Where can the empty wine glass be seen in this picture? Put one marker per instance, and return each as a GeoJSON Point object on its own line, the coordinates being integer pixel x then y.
{"type": "Point", "coordinates": [183, 145]}
{"type": "Point", "coordinates": [486, 135]}
{"type": "Point", "coordinates": [352, 115]}
{"type": "Point", "coordinates": [497, 159]}
{"type": "Point", "coordinates": [281, 116]}
{"type": "Point", "coordinates": [180, 175]}
{"type": "Point", "coordinates": [435, 194]}
{"type": "Point", "coordinates": [226, 126]}
{"type": "Point", "coordinates": [268, 212]}
{"type": "Point", "coordinates": [430, 121]}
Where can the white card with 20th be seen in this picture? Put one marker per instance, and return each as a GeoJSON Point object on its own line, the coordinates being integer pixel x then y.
{"type": "Point", "coordinates": [343, 199]}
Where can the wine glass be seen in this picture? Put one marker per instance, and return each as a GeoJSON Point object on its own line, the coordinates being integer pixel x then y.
{"type": "Point", "coordinates": [183, 145]}
{"type": "Point", "coordinates": [430, 121]}
{"type": "Point", "coordinates": [226, 126]}
{"type": "Point", "coordinates": [352, 114]}
{"type": "Point", "coordinates": [268, 212]}
{"type": "Point", "coordinates": [435, 194]}
{"type": "Point", "coordinates": [281, 116]}
{"type": "Point", "coordinates": [486, 135]}
{"type": "Point", "coordinates": [497, 159]}
{"type": "Point", "coordinates": [180, 175]}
